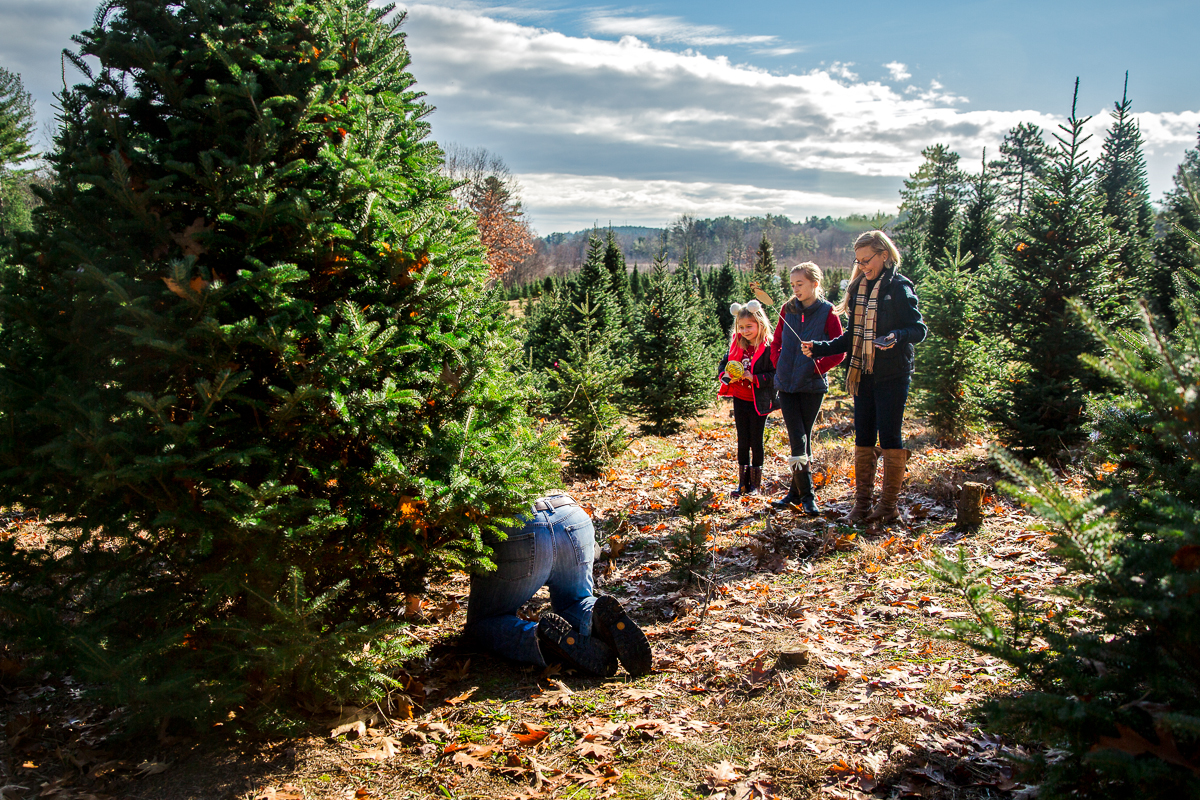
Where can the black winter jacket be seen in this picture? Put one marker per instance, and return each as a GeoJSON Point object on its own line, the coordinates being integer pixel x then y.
{"type": "Point", "coordinates": [897, 312]}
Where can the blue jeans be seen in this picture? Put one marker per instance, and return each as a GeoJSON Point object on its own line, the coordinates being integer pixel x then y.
{"type": "Point", "coordinates": [554, 548]}
{"type": "Point", "coordinates": [879, 409]}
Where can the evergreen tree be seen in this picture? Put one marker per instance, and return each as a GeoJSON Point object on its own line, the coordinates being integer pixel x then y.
{"type": "Point", "coordinates": [724, 294]}
{"type": "Point", "coordinates": [979, 222]}
{"type": "Point", "coordinates": [635, 284]}
{"type": "Point", "coordinates": [1117, 699]}
{"type": "Point", "coordinates": [16, 128]}
{"type": "Point", "coordinates": [614, 262]}
{"type": "Point", "coordinates": [671, 379]}
{"type": "Point", "coordinates": [688, 552]}
{"type": "Point", "coordinates": [1174, 251]}
{"type": "Point", "coordinates": [249, 366]}
{"type": "Point", "coordinates": [948, 362]}
{"type": "Point", "coordinates": [1122, 180]}
{"type": "Point", "coordinates": [1061, 249]}
{"type": "Point", "coordinates": [1024, 156]}
{"type": "Point", "coordinates": [765, 271]}
{"type": "Point", "coordinates": [544, 341]}
{"type": "Point", "coordinates": [587, 380]}
{"type": "Point", "coordinates": [929, 207]}
{"type": "Point", "coordinates": [591, 288]}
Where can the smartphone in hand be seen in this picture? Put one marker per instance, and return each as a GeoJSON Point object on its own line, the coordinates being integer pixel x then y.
{"type": "Point", "coordinates": [884, 342]}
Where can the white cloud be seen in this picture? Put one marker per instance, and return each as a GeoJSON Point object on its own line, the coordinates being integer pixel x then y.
{"type": "Point", "coordinates": [556, 201]}
{"type": "Point", "coordinates": [899, 71]}
{"type": "Point", "coordinates": [559, 105]}
{"type": "Point", "coordinates": [669, 29]}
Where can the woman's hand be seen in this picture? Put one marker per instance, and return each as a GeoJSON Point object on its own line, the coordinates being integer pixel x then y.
{"type": "Point", "coordinates": [806, 348]}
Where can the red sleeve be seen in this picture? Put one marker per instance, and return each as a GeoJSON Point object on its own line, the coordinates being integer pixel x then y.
{"type": "Point", "coordinates": [833, 329]}
{"type": "Point", "coordinates": [777, 339]}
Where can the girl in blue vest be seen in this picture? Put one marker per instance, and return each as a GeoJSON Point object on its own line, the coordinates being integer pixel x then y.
{"type": "Point", "coordinates": [747, 375]}
{"type": "Point", "coordinates": [800, 379]}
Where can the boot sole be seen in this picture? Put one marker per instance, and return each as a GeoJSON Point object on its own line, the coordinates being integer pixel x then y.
{"type": "Point", "coordinates": [612, 624]}
{"type": "Point", "coordinates": [574, 649]}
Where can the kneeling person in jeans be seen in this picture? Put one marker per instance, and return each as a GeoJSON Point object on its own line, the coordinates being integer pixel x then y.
{"type": "Point", "coordinates": [554, 548]}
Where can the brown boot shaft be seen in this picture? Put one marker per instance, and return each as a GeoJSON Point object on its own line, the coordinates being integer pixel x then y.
{"type": "Point", "coordinates": [865, 460]}
{"type": "Point", "coordinates": [894, 461]}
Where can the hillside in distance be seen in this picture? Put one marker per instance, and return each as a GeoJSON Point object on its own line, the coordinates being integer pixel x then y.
{"type": "Point", "coordinates": [708, 242]}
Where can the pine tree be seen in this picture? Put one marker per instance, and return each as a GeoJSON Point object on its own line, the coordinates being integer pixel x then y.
{"type": "Point", "coordinates": [250, 368]}
{"type": "Point", "coordinates": [1117, 700]}
{"type": "Point", "coordinates": [724, 294]}
{"type": "Point", "coordinates": [765, 271]}
{"type": "Point", "coordinates": [1024, 156]}
{"type": "Point", "coordinates": [979, 221]}
{"type": "Point", "coordinates": [671, 380]}
{"type": "Point", "coordinates": [1061, 249]}
{"type": "Point", "coordinates": [587, 380]}
{"type": "Point", "coordinates": [591, 287]}
{"type": "Point", "coordinates": [1174, 251]}
{"type": "Point", "coordinates": [929, 207]}
{"type": "Point", "coordinates": [1122, 180]}
{"type": "Point", "coordinates": [16, 129]}
{"type": "Point", "coordinates": [948, 374]}
{"type": "Point", "coordinates": [688, 553]}
{"type": "Point", "coordinates": [614, 262]}
{"type": "Point", "coordinates": [635, 284]}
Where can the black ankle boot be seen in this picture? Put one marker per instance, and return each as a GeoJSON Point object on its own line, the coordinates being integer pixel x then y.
{"type": "Point", "coordinates": [808, 498]}
{"type": "Point", "coordinates": [743, 481]}
{"type": "Point", "coordinates": [792, 498]}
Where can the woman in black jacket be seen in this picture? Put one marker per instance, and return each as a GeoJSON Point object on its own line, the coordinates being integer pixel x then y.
{"type": "Point", "coordinates": [884, 326]}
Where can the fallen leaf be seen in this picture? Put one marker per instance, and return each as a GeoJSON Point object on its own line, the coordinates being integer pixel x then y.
{"type": "Point", "coordinates": [560, 696]}
{"type": "Point", "coordinates": [386, 749]}
{"type": "Point", "coordinates": [1132, 742]}
{"type": "Point", "coordinates": [532, 736]}
{"type": "Point", "coordinates": [722, 773]}
{"type": "Point", "coordinates": [462, 698]}
{"type": "Point", "coordinates": [593, 749]}
{"type": "Point", "coordinates": [152, 767]}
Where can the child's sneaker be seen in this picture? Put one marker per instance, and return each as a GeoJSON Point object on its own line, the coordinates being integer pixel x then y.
{"type": "Point", "coordinates": [560, 642]}
{"type": "Point", "coordinates": [611, 624]}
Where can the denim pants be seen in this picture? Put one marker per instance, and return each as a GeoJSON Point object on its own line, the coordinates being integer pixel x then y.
{"type": "Point", "coordinates": [554, 548]}
{"type": "Point", "coordinates": [879, 409]}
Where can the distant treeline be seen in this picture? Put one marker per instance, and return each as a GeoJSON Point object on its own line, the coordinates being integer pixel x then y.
{"type": "Point", "coordinates": [705, 243]}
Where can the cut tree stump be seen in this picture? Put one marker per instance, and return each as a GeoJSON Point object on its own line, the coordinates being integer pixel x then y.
{"type": "Point", "coordinates": [970, 505]}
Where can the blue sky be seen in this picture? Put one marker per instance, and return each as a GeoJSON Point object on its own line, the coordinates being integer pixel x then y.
{"type": "Point", "coordinates": [636, 114]}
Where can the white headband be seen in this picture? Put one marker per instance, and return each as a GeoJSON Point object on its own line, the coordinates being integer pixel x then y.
{"type": "Point", "coordinates": [753, 305]}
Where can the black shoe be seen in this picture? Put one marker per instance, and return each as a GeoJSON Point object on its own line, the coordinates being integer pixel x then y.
{"type": "Point", "coordinates": [808, 499]}
{"type": "Point", "coordinates": [792, 498]}
{"type": "Point", "coordinates": [611, 624]}
{"type": "Point", "coordinates": [560, 642]}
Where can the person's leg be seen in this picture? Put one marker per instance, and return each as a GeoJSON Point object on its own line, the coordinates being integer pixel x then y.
{"type": "Point", "coordinates": [758, 425]}
{"type": "Point", "coordinates": [570, 580]}
{"type": "Point", "coordinates": [523, 563]}
{"type": "Point", "coordinates": [743, 412]}
{"type": "Point", "coordinates": [865, 458]}
{"type": "Point", "coordinates": [810, 406]}
{"type": "Point", "coordinates": [890, 399]}
{"type": "Point", "coordinates": [792, 406]}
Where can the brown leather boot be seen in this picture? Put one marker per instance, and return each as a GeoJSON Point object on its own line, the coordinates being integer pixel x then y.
{"type": "Point", "coordinates": [743, 481]}
{"type": "Point", "coordinates": [755, 480]}
{"type": "Point", "coordinates": [893, 475]}
{"type": "Point", "coordinates": [865, 459]}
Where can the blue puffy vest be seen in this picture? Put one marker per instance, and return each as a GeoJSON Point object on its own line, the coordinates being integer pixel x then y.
{"type": "Point", "coordinates": [795, 371]}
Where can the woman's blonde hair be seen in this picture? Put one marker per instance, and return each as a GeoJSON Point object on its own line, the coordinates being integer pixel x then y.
{"type": "Point", "coordinates": [880, 243]}
{"type": "Point", "coordinates": [752, 310]}
{"type": "Point", "coordinates": [811, 271]}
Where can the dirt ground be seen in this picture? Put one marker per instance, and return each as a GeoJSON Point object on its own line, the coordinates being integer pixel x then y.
{"type": "Point", "coordinates": [806, 663]}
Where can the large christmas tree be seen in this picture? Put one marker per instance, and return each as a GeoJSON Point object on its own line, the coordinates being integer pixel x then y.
{"type": "Point", "coordinates": [670, 380]}
{"type": "Point", "coordinates": [1061, 249]}
{"type": "Point", "coordinates": [1122, 180]}
{"type": "Point", "coordinates": [250, 368]}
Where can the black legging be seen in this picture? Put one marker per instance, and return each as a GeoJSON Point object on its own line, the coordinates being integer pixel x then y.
{"type": "Point", "coordinates": [750, 426]}
{"type": "Point", "coordinates": [800, 411]}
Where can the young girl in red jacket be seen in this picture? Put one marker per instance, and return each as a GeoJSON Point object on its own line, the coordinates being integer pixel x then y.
{"type": "Point", "coordinates": [748, 376]}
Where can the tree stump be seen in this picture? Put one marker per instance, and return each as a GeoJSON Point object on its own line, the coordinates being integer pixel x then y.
{"type": "Point", "coordinates": [970, 505]}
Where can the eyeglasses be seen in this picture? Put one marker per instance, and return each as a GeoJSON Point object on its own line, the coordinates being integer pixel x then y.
{"type": "Point", "coordinates": [858, 263]}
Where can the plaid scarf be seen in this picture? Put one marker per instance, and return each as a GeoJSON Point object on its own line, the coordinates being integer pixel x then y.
{"type": "Point", "coordinates": [862, 350]}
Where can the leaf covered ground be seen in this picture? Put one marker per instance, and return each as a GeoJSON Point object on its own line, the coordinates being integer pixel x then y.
{"type": "Point", "coordinates": [803, 663]}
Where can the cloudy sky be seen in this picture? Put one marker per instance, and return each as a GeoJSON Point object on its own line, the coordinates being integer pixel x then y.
{"type": "Point", "coordinates": [636, 114]}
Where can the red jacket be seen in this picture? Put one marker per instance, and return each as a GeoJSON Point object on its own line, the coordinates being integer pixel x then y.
{"type": "Point", "coordinates": [743, 389]}
{"type": "Point", "coordinates": [833, 329]}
